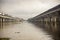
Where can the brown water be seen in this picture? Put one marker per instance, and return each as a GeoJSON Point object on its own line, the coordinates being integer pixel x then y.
{"type": "Point", "coordinates": [23, 31]}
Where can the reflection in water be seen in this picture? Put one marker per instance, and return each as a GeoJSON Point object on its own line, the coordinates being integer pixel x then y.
{"type": "Point", "coordinates": [23, 31]}
{"type": "Point", "coordinates": [4, 38]}
{"type": "Point", "coordinates": [4, 24]}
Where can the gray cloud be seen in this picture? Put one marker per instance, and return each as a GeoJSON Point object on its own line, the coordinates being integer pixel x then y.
{"type": "Point", "coordinates": [27, 8]}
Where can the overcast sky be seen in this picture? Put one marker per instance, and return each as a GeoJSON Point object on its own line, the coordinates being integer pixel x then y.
{"type": "Point", "coordinates": [27, 8]}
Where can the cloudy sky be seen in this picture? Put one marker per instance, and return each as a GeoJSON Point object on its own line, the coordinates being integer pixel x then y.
{"type": "Point", "coordinates": [27, 8]}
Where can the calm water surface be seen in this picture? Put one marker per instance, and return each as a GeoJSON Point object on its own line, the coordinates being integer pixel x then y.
{"type": "Point", "coordinates": [23, 31]}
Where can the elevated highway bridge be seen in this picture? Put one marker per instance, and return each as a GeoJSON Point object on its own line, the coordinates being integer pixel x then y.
{"type": "Point", "coordinates": [49, 21]}
{"type": "Point", "coordinates": [6, 19]}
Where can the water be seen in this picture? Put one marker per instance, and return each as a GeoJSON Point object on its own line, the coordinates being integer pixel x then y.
{"type": "Point", "coordinates": [24, 31]}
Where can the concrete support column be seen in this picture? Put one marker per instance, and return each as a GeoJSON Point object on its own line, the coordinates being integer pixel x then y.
{"type": "Point", "coordinates": [54, 23]}
{"type": "Point", "coordinates": [1, 23]}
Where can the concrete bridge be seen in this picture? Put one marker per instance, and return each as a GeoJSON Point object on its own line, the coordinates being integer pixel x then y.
{"type": "Point", "coordinates": [5, 18]}
{"type": "Point", "coordinates": [49, 21]}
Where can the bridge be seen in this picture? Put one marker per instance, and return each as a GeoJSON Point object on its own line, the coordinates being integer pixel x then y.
{"type": "Point", "coordinates": [49, 21]}
{"type": "Point", "coordinates": [5, 18]}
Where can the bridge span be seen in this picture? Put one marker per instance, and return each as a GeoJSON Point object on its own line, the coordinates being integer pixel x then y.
{"type": "Point", "coordinates": [49, 21]}
{"type": "Point", "coordinates": [6, 19]}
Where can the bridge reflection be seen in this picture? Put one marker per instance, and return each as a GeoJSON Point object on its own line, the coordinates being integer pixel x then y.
{"type": "Point", "coordinates": [49, 21]}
